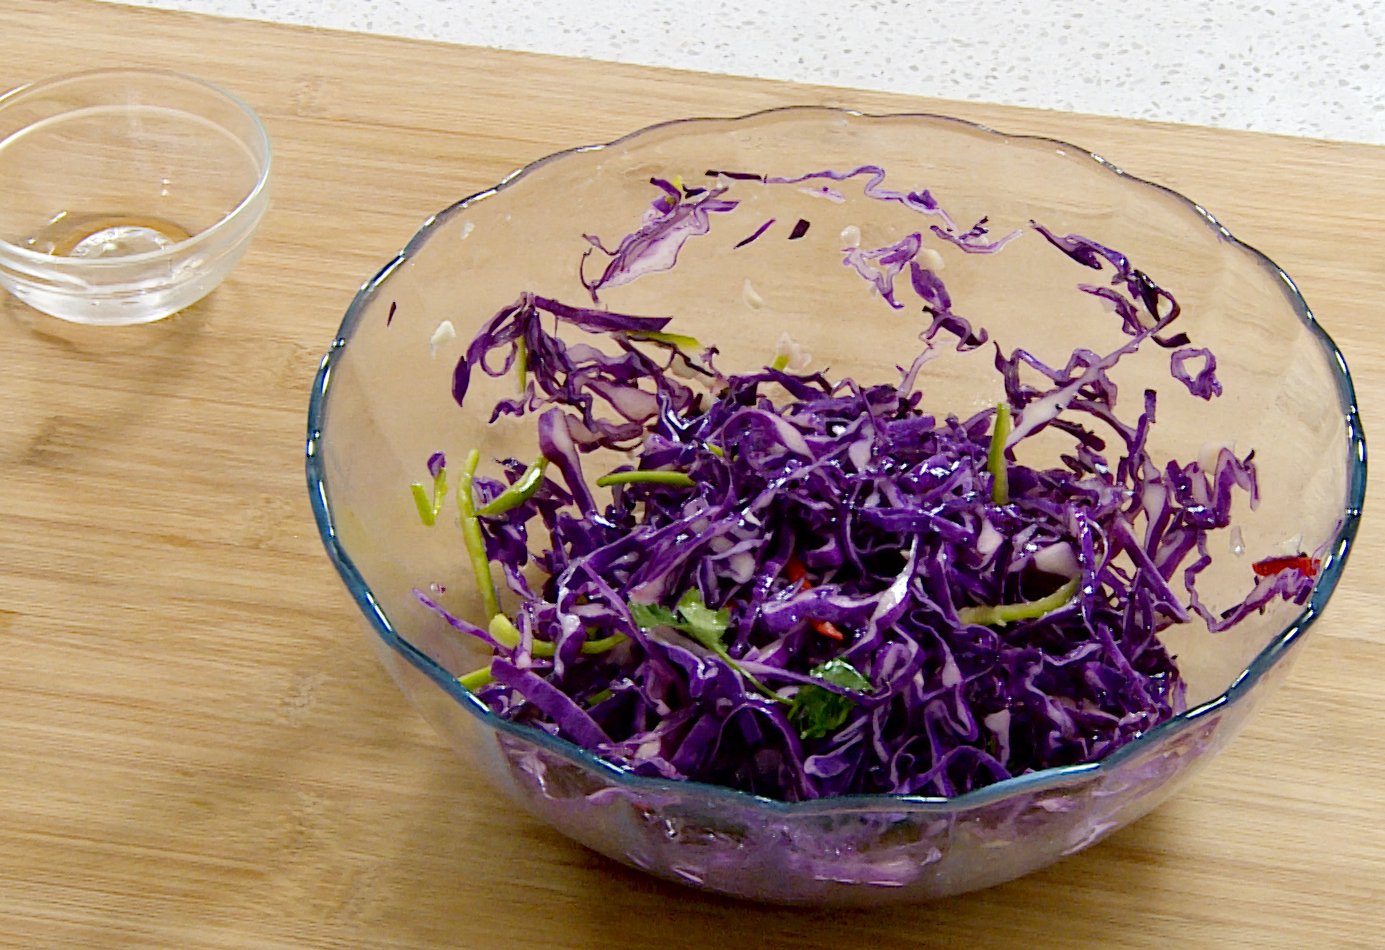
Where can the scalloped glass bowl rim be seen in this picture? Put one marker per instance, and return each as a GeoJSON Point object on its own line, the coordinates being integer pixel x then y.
{"type": "Point", "coordinates": [1030, 783]}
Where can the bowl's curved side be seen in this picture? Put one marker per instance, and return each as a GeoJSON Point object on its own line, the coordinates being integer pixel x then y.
{"type": "Point", "coordinates": [813, 851]}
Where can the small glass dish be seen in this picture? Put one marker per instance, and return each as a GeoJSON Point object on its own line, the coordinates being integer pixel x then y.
{"type": "Point", "coordinates": [383, 403]}
{"type": "Point", "coordinates": [126, 194]}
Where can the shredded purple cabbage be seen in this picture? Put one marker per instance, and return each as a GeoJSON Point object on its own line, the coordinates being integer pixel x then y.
{"type": "Point", "coordinates": [671, 220]}
{"type": "Point", "coordinates": [436, 463]}
{"type": "Point", "coordinates": [755, 234]}
{"type": "Point", "coordinates": [689, 626]}
{"type": "Point", "coordinates": [882, 265]}
{"type": "Point", "coordinates": [1205, 384]}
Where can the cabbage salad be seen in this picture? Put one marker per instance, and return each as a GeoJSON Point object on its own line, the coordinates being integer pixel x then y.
{"type": "Point", "coordinates": [806, 587]}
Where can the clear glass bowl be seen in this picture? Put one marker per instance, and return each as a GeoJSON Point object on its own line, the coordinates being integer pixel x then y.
{"type": "Point", "coordinates": [382, 404]}
{"type": "Point", "coordinates": [129, 194]}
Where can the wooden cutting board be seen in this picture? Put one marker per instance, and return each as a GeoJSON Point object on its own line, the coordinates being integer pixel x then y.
{"type": "Point", "coordinates": [197, 748]}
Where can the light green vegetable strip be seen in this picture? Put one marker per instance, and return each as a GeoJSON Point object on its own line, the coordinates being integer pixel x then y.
{"type": "Point", "coordinates": [1029, 610]}
{"type": "Point", "coordinates": [597, 699]}
{"type": "Point", "coordinates": [673, 339]}
{"type": "Point", "coordinates": [521, 364]}
{"type": "Point", "coordinates": [520, 492]}
{"type": "Point", "coordinates": [781, 362]}
{"type": "Point", "coordinates": [605, 643]}
{"type": "Point", "coordinates": [505, 633]}
{"type": "Point", "coordinates": [1000, 473]}
{"type": "Point", "coordinates": [658, 478]}
{"type": "Point", "coordinates": [428, 508]}
{"type": "Point", "coordinates": [476, 679]}
{"type": "Point", "coordinates": [471, 535]}
{"type": "Point", "coordinates": [715, 450]}
{"type": "Point", "coordinates": [426, 513]}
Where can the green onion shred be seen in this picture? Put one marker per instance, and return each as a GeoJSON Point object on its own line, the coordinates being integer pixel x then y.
{"type": "Point", "coordinates": [1000, 473]}
{"type": "Point", "coordinates": [677, 479]}
{"type": "Point", "coordinates": [471, 535]}
{"type": "Point", "coordinates": [1029, 610]}
{"type": "Point", "coordinates": [520, 492]}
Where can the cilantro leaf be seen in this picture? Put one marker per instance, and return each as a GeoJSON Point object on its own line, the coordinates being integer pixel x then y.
{"type": "Point", "coordinates": [819, 712]}
{"type": "Point", "coordinates": [703, 624]}
{"type": "Point", "coordinates": [693, 617]}
{"type": "Point", "coordinates": [647, 616]}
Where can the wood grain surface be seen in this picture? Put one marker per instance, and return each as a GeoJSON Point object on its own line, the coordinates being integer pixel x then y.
{"type": "Point", "coordinates": [197, 748]}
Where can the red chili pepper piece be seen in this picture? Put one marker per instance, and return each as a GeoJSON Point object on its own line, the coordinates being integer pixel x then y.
{"type": "Point", "coordinates": [828, 630]}
{"type": "Point", "coordinates": [1307, 566]}
{"type": "Point", "coordinates": [795, 572]}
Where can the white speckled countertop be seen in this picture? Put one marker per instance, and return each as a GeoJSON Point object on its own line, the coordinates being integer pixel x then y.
{"type": "Point", "coordinates": [1303, 68]}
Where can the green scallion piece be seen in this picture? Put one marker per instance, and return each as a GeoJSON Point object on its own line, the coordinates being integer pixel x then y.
{"type": "Point", "coordinates": [520, 492]}
{"type": "Point", "coordinates": [471, 535]}
{"type": "Point", "coordinates": [1029, 610]}
{"type": "Point", "coordinates": [426, 513]}
{"type": "Point", "coordinates": [521, 364]}
{"type": "Point", "coordinates": [428, 508]}
{"type": "Point", "coordinates": [996, 464]}
{"type": "Point", "coordinates": [672, 339]}
{"type": "Point", "coordinates": [505, 633]}
{"type": "Point", "coordinates": [542, 648]}
{"type": "Point", "coordinates": [477, 678]}
{"type": "Point", "coordinates": [605, 644]}
{"type": "Point", "coordinates": [677, 479]}
{"type": "Point", "coordinates": [781, 362]}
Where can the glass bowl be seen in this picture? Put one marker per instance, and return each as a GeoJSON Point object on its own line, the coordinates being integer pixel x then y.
{"type": "Point", "coordinates": [129, 194]}
{"type": "Point", "coordinates": [382, 404]}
